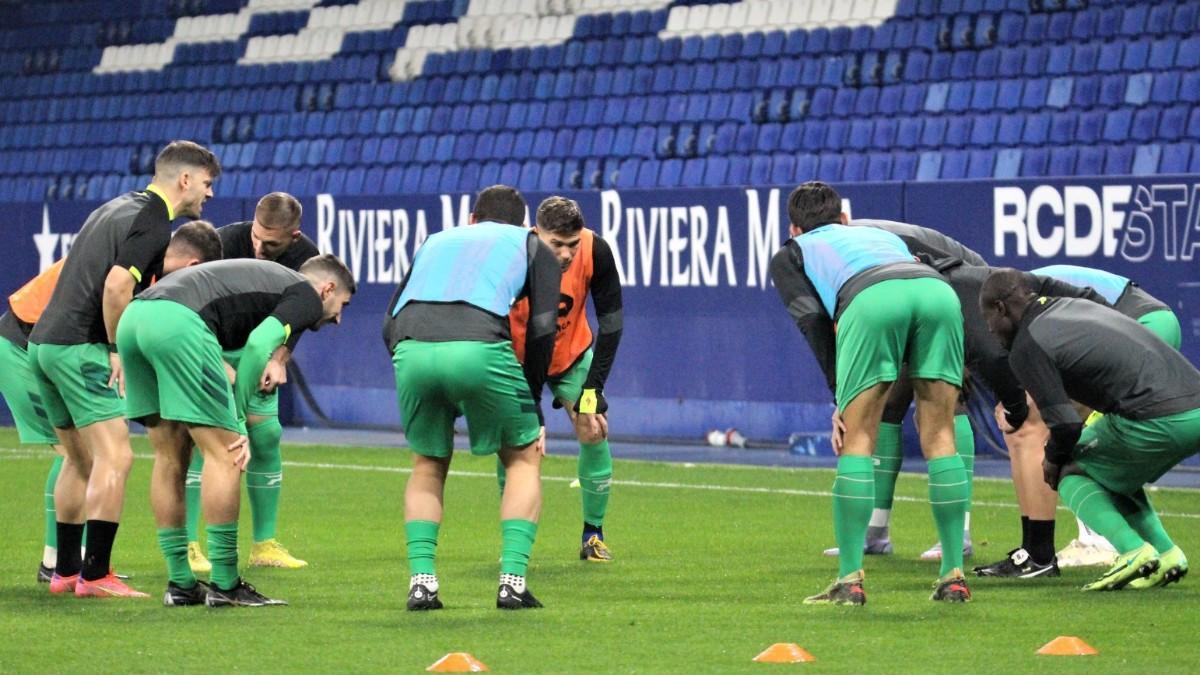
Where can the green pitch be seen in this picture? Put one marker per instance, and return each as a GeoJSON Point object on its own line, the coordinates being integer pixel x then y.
{"type": "Point", "coordinates": [712, 563]}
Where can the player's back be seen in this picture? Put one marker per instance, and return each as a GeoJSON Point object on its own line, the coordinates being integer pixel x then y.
{"type": "Point", "coordinates": [925, 240]}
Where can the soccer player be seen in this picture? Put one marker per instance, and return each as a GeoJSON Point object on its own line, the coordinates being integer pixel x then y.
{"type": "Point", "coordinates": [577, 376]}
{"type": "Point", "coordinates": [889, 455]}
{"type": "Point", "coordinates": [72, 351]}
{"type": "Point", "coordinates": [20, 392]}
{"type": "Point", "coordinates": [171, 340]}
{"type": "Point", "coordinates": [888, 309]}
{"type": "Point", "coordinates": [273, 234]}
{"type": "Point", "coordinates": [1038, 502]}
{"type": "Point", "coordinates": [448, 332]}
{"type": "Point", "coordinates": [1064, 350]}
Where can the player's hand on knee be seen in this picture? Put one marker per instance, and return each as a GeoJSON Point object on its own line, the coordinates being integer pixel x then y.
{"type": "Point", "coordinates": [273, 375]}
{"type": "Point", "coordinates": [117, 377]}
{"type": "Point", "coordinates": [1051, 473]}
{"type": "Point", "coordinates": [230, 373]}
{"type": "Point", "coordinates": [837, 435]}
{"type": "Point", "coordinates": [591, 401]}
{"type": "Point", "coordinates": [540, 443]}
{"type": "Point", "coordinates": [240, 449]}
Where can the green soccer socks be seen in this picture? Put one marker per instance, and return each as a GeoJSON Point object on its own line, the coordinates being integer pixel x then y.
{"type": "Point", "coordinates": [223, 554]}
{"type": "Point", "coordinates": [948, 491]}
{"type": "Point", "coordinates": [264, 477]}
{"type": "Point", "coordinates": [422, 536]}
{"type": "Point", "coordinates": [964, 444]}
{"type": "Point", "coordinates": [191, 489]}
{"type": "Point", "coordinates": [49, 553]}
{"type": "Point", "coordinates": [595, 478]}
{"type": "Point", "coordinates": [517, 537]}
{"type": "Point", "coordinates": [853, 496]}
{"type": "Point", "coordinates": [173, 541]}
{"type": "Point", "coordinates": [1097, 508]}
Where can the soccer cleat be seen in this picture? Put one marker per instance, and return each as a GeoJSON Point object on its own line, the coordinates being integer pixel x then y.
{"type": "Point", "coordinates": [594, 550]}
{"type": "Point", "coordinates": [178, 596]}
{"type": "Point", "coordinates": [108, 586]}
{"type": "Point", "coordinates": [951, 588]}
{"type": "Point", "coordinates": [196, 559]}
{"type": "Point", "coordinates": [420, 598]}
{"type": "Point", "coordinates": [44, 574]}
{"type": "Point", "coordinates": [60, 584]}
{"type": "Point", "coordinates": [241, 595]}
{"type": "Point", "coordinates": [1172, 566]}
{"type": "Point", "coordinates": [507, 597]}
{"type": "Point", "coordinates": [845, 591]}
{"type": "Point", "coordinates": [1138, 563]}
{"type": "Point", "coordinates": [934, 553]}
{"type": "Point", "coordinates": [1019, 565]}
{"type": "Point", "coordinates": [271, 553]}
{"type": "Point", "coordinates": [1079, 554]}
{"type": "Point", "coordinates": [871, 547]}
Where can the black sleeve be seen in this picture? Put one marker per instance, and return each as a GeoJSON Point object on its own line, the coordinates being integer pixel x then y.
{"type": "Point", "coordinates": [991, 362]}
{"type": "Point", "coordinates": [1053, 288]}
{"type": "Point", "coordinates": [235, 241]}
{"type": "Point", "coordinates": [802, 302]}
{"type": "Point", "coordinates": [606, 294]}
{"type": "Point", "coordinates": [542, 286]}
{"type": "Point", "coordinates": [299, 308]}
{"type": "Point", "coordinates": [390, 315]}
{"type": "Point", "coordinates": [1036, 370]}
{"type": "Point", "coordinates": [142, 250]}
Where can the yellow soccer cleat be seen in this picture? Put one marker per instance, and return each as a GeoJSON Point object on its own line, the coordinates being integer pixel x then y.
{"type": "Point", "coordinates": [595, 550]}
{"type": "Point", "coordinates": [1172, 566]}
{"type": "Point", "coordinates": [1139, 563]}
{"type": "Point", "coordinates": [196, 559]}
{"type": "Point", "coordinates": [271, 553]}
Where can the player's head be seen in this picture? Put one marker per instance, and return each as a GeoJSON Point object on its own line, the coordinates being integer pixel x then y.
{"type": "Point", "coordinates": [499, 204]}
{"type": "Point", "coordinates": [1003, 301]}
{"type": "Point", "coordinates": [193, 243]}
{"type": "Point", "coordinates": [333, 282]}
{"type": "Point", "coordinates": [186, 170]}
{"type": "Point", "coordinates": [560, 226]}
{"type": "Point", "coordinates": [814, 204]}
{"type": "Point", "coordinates": [276, 225]}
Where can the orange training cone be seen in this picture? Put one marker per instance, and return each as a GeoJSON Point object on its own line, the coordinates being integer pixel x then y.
{"type": "Point", "coordinates": [785, 652]}
{"type": "Point", "coordinates": [1067, 645]}
{"type": "Point", "coordinates": [458, 662]}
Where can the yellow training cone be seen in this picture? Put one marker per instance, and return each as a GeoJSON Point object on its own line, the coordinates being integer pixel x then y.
{"type": "Point", "coordinates": [785, 652]}
{"type": "Point", "coordinates": [1067, 645]}
{"type": "Point", "coordinates": [458, 662]}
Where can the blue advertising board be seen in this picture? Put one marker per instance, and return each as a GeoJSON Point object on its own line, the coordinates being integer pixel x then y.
{"type": "Point", "coordinates": [707, 343]}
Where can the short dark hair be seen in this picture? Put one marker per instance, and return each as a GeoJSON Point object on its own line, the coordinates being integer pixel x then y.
{"type": "Point", "coordinates": [330, 267]}
{"type": "Point", "coordinates": [179, 154]}
{"type": "Point", "coordinates": [500, 204]}
{"type": "Point", "coordinates": [278, 210]}
{"type": "Point", "coordinates": [1002, 285]}
{"type": "Point", "coordinates": [813, 204]}
{"type": "Point", "coordinates": [199, 238]}
{"type": "Point", "coordinates": [559, 214]}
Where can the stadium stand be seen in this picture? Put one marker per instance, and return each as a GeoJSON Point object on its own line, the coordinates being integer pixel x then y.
{"type": "Point", "coordinates": [387, 96]}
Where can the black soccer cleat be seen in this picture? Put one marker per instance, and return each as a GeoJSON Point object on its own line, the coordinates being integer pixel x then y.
{"type": "Point", "coordinates": [508, 598]}
{"type": "Point", "coordinates": [420, 598]}
{"type": "Point", "coordinates": [951, 588]}
{"type": "Point", "coordinates": [178, 596]}
{"type": "Point", "coordinates": [241, 595]}
{"type": "Point", "coordinates": [1019, 565]}
{"type": "Point", "coordinates": [44, 574]}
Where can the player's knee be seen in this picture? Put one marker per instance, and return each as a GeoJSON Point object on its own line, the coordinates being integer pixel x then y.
{"type": "Point", "coordinates": [588, 435]}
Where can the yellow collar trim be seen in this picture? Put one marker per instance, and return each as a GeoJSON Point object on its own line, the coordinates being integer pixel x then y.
{"type": "Point", "coordinates": [163, 196]}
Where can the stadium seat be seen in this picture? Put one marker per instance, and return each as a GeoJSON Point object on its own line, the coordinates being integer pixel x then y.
{"type": "Point", "coordinates": [1146, 159]}
{"type": "Point", "coordinates": [1175, 158]}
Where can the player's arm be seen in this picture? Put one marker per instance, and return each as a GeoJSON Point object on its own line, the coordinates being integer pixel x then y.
{"type": "Point", "coordinates": [1036, 370]}
{"type": "Point", "coordinates": [136, 257]}
{"type": "Point", "coordinates": [1053, 288]}
{"type": "Point", "coordinates": [299, 307]}
{"type": "Point", "coordinates": [391, 308]}
{"type": "Point", "coordinates": [606, 296]}
{"type": "Point", "coordinates": [802, 302]}
{"type": "Point", "coordinates": [542, 282]}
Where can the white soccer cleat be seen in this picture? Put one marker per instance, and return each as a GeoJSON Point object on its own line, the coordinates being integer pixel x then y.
{"type": "Point", "coordinates": [1078, 554]}
{"type": "Point", "coordinates": [934, 553]}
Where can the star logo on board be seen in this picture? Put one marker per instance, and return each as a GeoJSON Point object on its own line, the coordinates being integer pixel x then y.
{"type": "Point", "coordinates": [46, 242]}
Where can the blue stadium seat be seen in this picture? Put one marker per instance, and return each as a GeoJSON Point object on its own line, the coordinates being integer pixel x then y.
{"type": "Point", "coordinates": [1172, 122]}
{"type": "Point", "coordinates": [1008, 163]}
{"type": "Point", "coordinates": [1145, 124]}
{"type": "Point", "coordinates": [1059, 95]}
{"type": "Point", "coordinates": [954, 165]}
{"type": "Point", "coordinates": [1010, 94]}
{"type": "Point", "coordinates": [1035, 162]}
{"type": "Point", "coordinates": [760, 170]}
{"type": "Point", "coordinates": [1117, 124]}
{"type": "Point", "coordinates": [1062, 127]}
{"type": "Point", "coordinates": [782, 170]}
{"type": "Point", "coordinates": [738, 171]}
{"type": "Point", "coordinates": [1118, 160]}
{"type": "Point", "coordinates": [1189, 87]}
{"type": "Point", "coordinates": [1146, 159]}
{"type": "Point", "coordinates": [854, 168]}
{"type": "Point", "coordinates": [980, 163]}
{"type": "Point", "coordinates": [929, 166]}
{"type": "Point", "coordinates": [984, 130]}
{"type": "Point", "coordinates": [1062, 162]}
{"type": "Point", "coordinates": [1090, 161]}
{"type": "Point", "coordinates": [1034, 95]}
{"type": "Point", "coordinates": [904, 166]}
{"type": "Point", "coordinates": [1165, 89]}
{"type": "Point", "coordinates": [1175, 158]}
{"type": "Point", "coordinates": [1090, 126]}
{"type": "Point", "coordinates": [1086, 91]}
{"type": "Point", "coordinates": [829, 168]}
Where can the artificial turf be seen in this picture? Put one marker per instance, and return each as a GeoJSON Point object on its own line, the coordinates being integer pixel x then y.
{"type": "Point", "coordinates": [712, 563]}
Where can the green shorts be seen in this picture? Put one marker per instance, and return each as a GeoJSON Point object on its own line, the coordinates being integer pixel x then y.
{"type": "Point", "coordinates": [1123, 454]}
{"type": "Point", "coordinates": [260, 404]}
{"type": "Point", "coordinates": [73, 380]}
{"type": "Point", "coordinates": [20, 390]}
{"type": "Point", "coordinates": [569, 386]}
{"type": "Point", "coordinates": [438, 381]}
{"type": "Point", "coordinates": [898, 321]}
{"type": "Point", "coordinates": [173, 366]}
{"type": "Point", "coordinates": [1165, 325]}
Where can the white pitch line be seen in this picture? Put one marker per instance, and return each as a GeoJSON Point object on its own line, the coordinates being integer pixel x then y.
{"type": "Point", "coordinates": [10, 454]}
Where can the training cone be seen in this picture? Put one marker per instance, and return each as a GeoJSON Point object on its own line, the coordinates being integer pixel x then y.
{"type": "Point", "coordinates": [785, 652]}
{"type": "Point", "coordinates": [1067, 645]}
{"type": "Point", "coordinates": [458, 662]}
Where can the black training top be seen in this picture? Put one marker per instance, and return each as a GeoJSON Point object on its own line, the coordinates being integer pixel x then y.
{"type": "Point", "coordinates": [923, 240]}
{"type": "Point", "coordinates": [234, 296]}
{"type": "Point", "coordinates": [236, 244]}
{"type": "Point", "coordinates": [606, 297]}
{"type": "Point", "coordinates": [1069, 349]}
{"type": "Point", "coordinates": [15, 330]}
{"type": "Point", "coordinates": [131, 231]}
